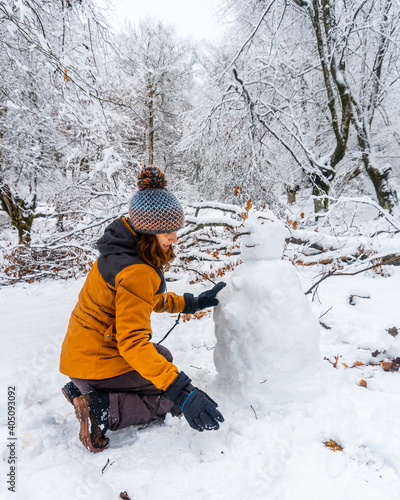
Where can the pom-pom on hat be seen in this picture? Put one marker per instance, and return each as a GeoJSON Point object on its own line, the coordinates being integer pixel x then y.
{"type": "Point", "coordinates": [153, 209]}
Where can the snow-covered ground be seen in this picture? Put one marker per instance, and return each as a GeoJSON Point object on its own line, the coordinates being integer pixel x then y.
{"type": "Point", "coordinates": [260, 452]}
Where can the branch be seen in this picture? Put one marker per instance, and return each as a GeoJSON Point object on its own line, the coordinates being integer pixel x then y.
{"type": "Point", "coordinates": [203, 275]}
{"type": "Point", "coordinates": [76, 231]}
{"type": "Point", "coordinates": [264, 123]}
{"type": "Point", "coordinates": [248, 40]}
{"type": "Point", "coordinates": [392, 220]}
{"type": "Point", "coordinates": [335, 273]}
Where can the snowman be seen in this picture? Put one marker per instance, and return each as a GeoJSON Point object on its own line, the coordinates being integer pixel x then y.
{"type": "Point", "coordinates": [267, 347]}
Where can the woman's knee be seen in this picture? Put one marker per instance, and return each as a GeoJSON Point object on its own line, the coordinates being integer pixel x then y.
{"type": "Point", "coordinates": [83, 385]}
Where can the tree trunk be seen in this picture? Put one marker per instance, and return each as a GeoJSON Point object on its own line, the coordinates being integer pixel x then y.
{"type": "Point", "coordinates": [20, 212]}
{"type": "Point", "coordinates": [291, 194]}
{"type": "Point", "coordinates": [362, 119]}
{"type": "Point", "coordinates": [150, 106]}
{"type": "Point", "coordinates": [387, 198]}
{"type": "Point", "coordinates": [338, 97]}
{"type": "Point", "coordinates": [321, 190]}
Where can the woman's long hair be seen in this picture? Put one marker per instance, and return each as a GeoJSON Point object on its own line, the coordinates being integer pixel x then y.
{"type": "Point", "coordinates": [150, 251]}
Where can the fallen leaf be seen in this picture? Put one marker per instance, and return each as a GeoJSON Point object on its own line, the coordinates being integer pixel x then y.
{"type": "Point", "coordinates": [197, 315]}
{"type": "Point", "coordinates": [124, 495]}
{"type": "Point", "coordinates": [354, 365]}
{"type": "Point", "coordinates": [362, 383]}
{"type": "Point", "coordinates": [333, 445]}
{"type": "Point", "coordinates": [393, 331]}
{"type": "Point", "coordinates": [391, 366]}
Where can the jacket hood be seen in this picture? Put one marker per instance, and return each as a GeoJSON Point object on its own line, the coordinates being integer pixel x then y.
{"type": "Point", "coordinates": [117, 238]}
{"type": "Point", "coordinates": [118, 251]}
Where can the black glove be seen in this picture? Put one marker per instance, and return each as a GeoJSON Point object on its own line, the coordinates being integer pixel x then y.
{"type": "Point", "coordinates": [204, 300]}
{"type": "Point", "coordinates": [199, 409]}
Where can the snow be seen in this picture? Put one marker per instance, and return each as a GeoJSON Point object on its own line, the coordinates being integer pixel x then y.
{"type": "Point", "coordinates": [217, 206]}
{"type": "Point", "coordinates": [110, 164]}
{"type": "Point", "coordinates": [211, 219]}
{"type": "Point", "coordinates": [266, 448]}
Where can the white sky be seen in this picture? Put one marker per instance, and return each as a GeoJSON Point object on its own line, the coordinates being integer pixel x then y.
{"type": "Point", "coordinates": [195, 18]}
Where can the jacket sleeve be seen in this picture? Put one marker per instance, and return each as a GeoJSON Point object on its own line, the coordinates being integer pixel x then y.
{"type": "Point", "coordinates": [169, 302]}
{"type": "Point", "coordinates": [134, 302]}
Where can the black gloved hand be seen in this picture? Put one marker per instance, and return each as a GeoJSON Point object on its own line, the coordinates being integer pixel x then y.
{"type": "Point", "coordinates": [199, 409]}
{"type": "Point", "coordinates": [204, 300]}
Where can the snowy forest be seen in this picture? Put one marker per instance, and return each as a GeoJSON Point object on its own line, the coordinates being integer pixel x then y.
{"type": "Point", "coordinates": [296, 109]}
{"type": "Point", "coordinates": [293, 115]}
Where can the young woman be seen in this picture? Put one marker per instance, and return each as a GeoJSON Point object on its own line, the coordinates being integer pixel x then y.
{"type": "Point", "coordinates": [118, 377]}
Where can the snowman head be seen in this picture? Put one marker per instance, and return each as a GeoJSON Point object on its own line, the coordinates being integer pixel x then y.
{"type": "Point", "coordinates": [263, 237]}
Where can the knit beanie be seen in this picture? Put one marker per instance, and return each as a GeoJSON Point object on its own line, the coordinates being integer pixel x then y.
{"type": "Point", "coordinates": [153, 209]}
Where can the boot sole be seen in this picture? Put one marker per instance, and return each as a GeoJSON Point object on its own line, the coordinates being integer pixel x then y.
{"type": "Point", "coordinates": [87, 422]}
{"type": "Point", "coordinates": [68, 397]}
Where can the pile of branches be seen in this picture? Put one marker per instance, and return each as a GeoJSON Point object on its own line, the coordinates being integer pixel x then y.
{"type": "Point", "coordinates": [209, 244]}
{"type": "Point", "coordinates": [354, 231]}
{"type": "Point", "coordinates": [29, 264]}
{"type": "Point", "coordinates": [64, 254]}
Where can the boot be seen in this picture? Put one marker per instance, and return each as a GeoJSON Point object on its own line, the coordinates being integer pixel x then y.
{"type": "Point", "coordinates": [71, 392]}
{"type": "Point", "coordinates": [92, 411]}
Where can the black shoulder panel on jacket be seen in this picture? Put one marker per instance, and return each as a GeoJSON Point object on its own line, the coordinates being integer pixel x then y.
{"type": "Point", "coordinates": [118, 250]}
{"type": "Point", "coordinates": [163, 287]}
{"type": "Point", "coordinates": [110, 265]}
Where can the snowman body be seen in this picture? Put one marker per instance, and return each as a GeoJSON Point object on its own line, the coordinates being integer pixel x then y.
{"type": "Point", "coordinates": [267, 336]}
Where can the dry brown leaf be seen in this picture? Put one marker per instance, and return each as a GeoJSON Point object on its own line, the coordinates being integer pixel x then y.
{"type": "Point", "coordinates": [333, 445]}
{"type": "Point", "coordinates": [124, 495]}
{"type": "Point", "coordinates": [354, 365]}
{"type": "Point", "coordinates": [197, 315]}
{"type": "Point", "coordinates": [391, 366]}
{"type": "Point", "coordinates": [362, 383]}
{"type": "Point", "coordinates": [393, 331]}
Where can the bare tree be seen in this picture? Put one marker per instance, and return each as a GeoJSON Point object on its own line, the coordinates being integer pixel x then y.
{"type": "Point", "coordinates": [155, 68]}
{"type": "Point", "coordinates": [301, 92]}
{"type": "Point", "coordinates": [356, 43]}
{"type": "Point", "coordinates": [269, 104]}
{"type": "Point", "coordinates": [48, 56]}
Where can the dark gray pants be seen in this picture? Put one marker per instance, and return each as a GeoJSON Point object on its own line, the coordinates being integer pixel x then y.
{"type": "Point", "coordinates": [133, 399]}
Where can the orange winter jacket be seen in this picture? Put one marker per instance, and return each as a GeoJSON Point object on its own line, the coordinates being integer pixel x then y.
{"type": "Point", "coordinates": [109, 330]}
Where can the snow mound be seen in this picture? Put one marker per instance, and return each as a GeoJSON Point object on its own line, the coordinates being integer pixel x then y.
{"type": "Point", "coordinates": [267, 336]}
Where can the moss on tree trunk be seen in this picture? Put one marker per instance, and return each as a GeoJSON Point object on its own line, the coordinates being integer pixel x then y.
{"type": "Point", "coordinates": [20, 212]}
